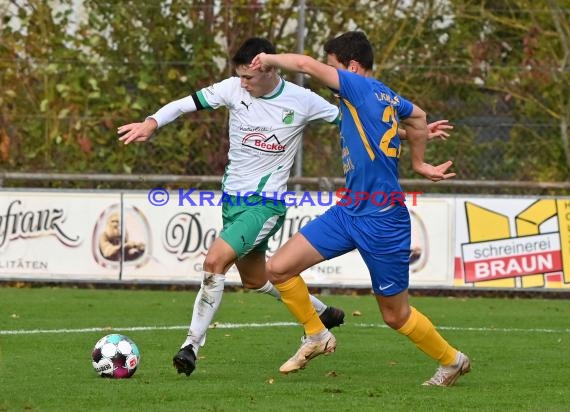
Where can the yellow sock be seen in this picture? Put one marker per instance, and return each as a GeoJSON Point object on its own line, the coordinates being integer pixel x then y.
{"type": "Point", "coordinates": [421, 331]}
{"type": "Point", "coordinates": [295, 295]}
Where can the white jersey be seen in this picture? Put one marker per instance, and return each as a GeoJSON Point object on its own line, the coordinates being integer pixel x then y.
{"type": "Point", "coordinates": [264, 132]}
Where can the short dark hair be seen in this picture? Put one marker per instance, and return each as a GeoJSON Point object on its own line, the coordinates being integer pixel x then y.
{"type": "Point", "coordinates": [251, 48]}
{"type": "Point", "coordinates": [352, 45]}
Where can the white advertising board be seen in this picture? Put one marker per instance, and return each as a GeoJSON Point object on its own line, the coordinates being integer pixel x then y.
{"type": "Point", "coordinates": [76, 235]}
{"type": "Point", "coordinates": [53, 235]}
{"type": "Point", "coordinates": [180, 234]}
{"type": "Point", "coordinates": [178, 238]}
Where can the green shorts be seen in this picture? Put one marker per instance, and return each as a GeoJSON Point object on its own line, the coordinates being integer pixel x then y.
{"type": "Point", "coordinates": [250, 222]}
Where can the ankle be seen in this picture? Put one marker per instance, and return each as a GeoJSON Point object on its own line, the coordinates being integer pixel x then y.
{"type": "Point", "coordinates": [318, 336]}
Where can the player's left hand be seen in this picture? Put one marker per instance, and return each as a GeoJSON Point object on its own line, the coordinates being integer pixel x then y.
{"type": "Point", "coordinates": [435, 173]}
{"type": "Point", "coordinates": [437, 129]}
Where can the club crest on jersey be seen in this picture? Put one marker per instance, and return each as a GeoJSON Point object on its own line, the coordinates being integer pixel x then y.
{"type": "Point", "coordinates": [288, 116]}
{"type": "Point", "coordinates": [263, 143]}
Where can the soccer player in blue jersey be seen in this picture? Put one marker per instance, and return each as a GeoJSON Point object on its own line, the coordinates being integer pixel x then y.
{"type": "Point", "coordinates": [369, 218]}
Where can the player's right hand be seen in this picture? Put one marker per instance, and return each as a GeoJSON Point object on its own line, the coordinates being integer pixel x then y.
{"type": "Point", "coordinates": [137, 132]}
{"type": "Point", "coordinates": [435, 173]}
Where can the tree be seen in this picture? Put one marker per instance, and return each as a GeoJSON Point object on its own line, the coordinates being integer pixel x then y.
{"type": "Point", "coordinates": [69, 76]}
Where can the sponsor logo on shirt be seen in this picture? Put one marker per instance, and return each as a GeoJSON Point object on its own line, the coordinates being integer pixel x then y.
{"type": "Point", "coordinates": [263, 143]}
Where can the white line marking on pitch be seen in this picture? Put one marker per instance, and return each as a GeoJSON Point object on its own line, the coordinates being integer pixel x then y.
{"type": "Point", "coordinates": [262, 325]}
{"type": "Point", "coordinates": [144, 328]}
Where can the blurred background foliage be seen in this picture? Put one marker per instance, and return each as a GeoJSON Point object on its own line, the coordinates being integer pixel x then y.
{"type": "Point", "coordinates": [72, 71]}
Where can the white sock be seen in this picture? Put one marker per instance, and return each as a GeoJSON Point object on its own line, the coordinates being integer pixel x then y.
{"type": "Point", "coordinates": [271, 290]}
{"type": "Point", "coordinates": [319, 306]}
{"type": "Point", "coordinates": [205, 307]}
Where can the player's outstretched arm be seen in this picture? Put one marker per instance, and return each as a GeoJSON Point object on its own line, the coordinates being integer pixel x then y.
{"type": "Point", "coordinates": [140, 132]}
{"type": "Point", "coordinates": [324, 73]}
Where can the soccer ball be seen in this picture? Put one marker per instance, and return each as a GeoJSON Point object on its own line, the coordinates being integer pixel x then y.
{"type": "Point", "coordinates": [115, 356]}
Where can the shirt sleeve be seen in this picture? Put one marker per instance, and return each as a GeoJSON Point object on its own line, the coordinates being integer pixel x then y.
{"type": "Point", "coordinates": [173, 110]}
{"type": "Point", "coordinates": [403, 106]}
{"type": "Point", "coordinates": [321, 109]}
{"type": "Point", "coordinates": [218, 94]}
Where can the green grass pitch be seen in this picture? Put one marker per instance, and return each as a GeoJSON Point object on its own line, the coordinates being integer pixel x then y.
{"type": "Point", "coordinates": [520, 351]}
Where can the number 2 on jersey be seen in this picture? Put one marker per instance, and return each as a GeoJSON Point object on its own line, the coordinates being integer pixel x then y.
{"type": "Point", "coordinates": [389, 115]}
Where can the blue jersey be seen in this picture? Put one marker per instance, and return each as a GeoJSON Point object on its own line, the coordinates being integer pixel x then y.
{"type": "Point", "coordinates": [370, 143]}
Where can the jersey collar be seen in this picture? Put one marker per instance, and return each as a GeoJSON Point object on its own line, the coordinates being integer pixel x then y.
{"type": "Point", "coordinates": [276, 92]}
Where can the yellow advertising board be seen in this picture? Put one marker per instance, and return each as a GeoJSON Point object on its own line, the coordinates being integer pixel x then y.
{"type": "Point", "coordinates": [513, 243]}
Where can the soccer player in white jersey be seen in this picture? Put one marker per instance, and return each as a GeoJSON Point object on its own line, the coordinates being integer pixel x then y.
{"type": "Point", "coordinates": [267, 117]}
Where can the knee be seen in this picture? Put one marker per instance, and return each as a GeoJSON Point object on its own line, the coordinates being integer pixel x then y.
{"type": "Point", "coordinates": [395, 319]}
{"type": "Point", "coordinates": [275, 273]}
{"type": "Point", "coordinates": [271, 270]}
{"type": "Point", "coordinates": [209, 265]}
{"type": "Point", "coordinates": [212, 264]}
